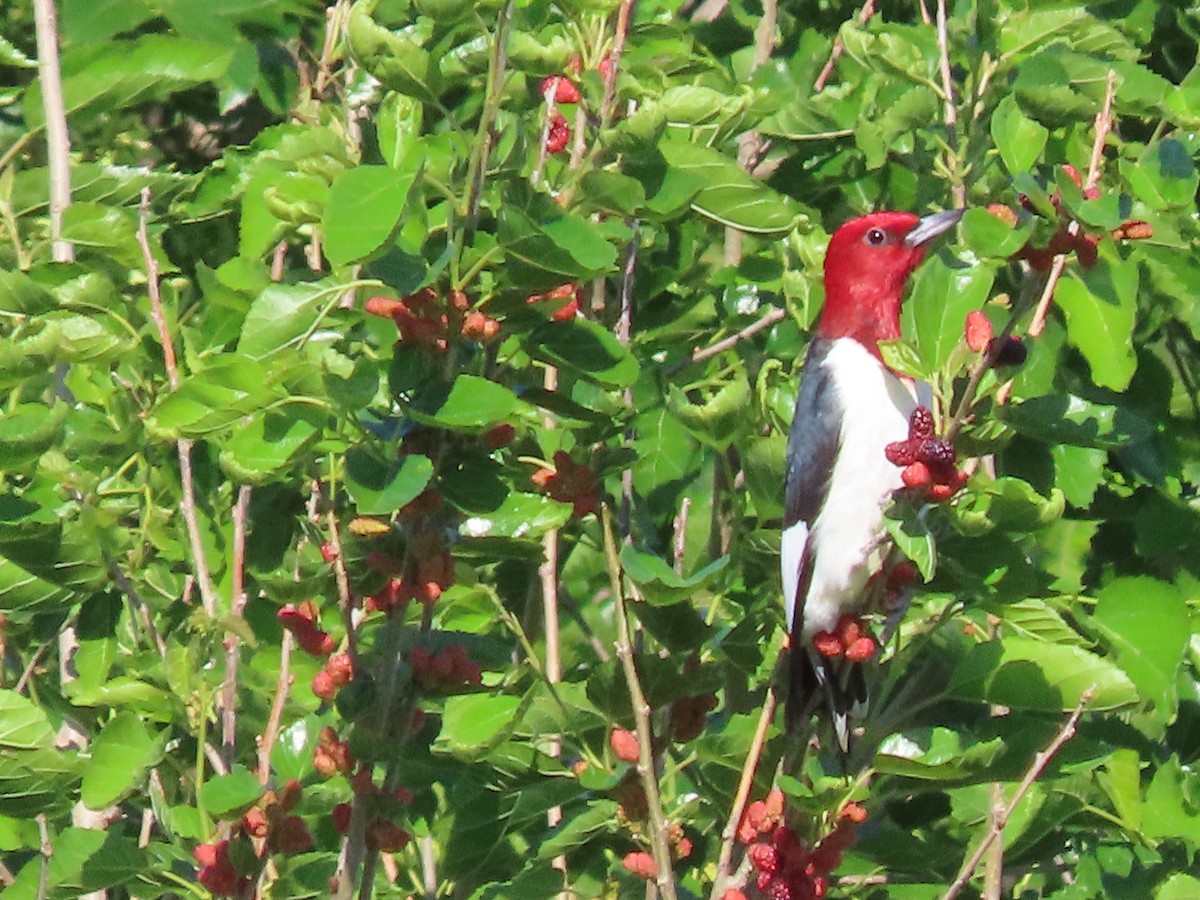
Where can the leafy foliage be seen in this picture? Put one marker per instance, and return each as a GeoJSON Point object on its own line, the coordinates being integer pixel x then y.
{"type": "Point", "coordinates": [354, 367]}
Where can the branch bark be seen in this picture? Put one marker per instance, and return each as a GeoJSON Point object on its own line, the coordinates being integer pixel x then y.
{"type": "Point", "coordinates": [58, 139]}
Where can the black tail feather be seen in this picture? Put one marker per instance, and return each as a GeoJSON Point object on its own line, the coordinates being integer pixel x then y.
{"type": "Point", "coordinates": [832, 689]}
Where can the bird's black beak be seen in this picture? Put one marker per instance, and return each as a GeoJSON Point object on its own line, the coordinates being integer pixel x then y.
{"type": "Point", "coordinates": [931, 226]}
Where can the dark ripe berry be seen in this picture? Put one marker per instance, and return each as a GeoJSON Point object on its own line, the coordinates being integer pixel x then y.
{"type": "Point", "coordinates": [1013, 353]}
{"type": "Point", "coordinates": [920, 423]}
{"type": "Point", "coordinates": [778, 889]}
{"type": "Point", "coordinates": [901, 453]}
{"type": "Point", "coordinates": [936, 452]}
{"type": "Point", "coordinates": [559, 134]}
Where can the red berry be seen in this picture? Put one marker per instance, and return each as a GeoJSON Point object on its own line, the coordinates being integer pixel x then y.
{"type": "Point", "coordinates": [764, 857]}
{"type": "Point", "coordinates": [920, 423]}
{"type": "Point", "coordinates": [849, 629]}
{"type": "Point", "coordinates": [827, 644]}
{"type": "Point", "coordinates": [323, 686]}
{"type": "Point", "coordinates": [902, 574]}
{"type": "Point", "coordinates": [641, 864]}
{"type": "Point", "coordinates": [733, 894]}
{"type": "Point", "coordinates": [978, 330]}
{"type": "Point", "coordinates": [853, 812]}
{"type": "Point", "coordinates": [861, 650]}
{"type": "Point", "coordinates": [559, 134]}
{"type": "Point", "coordinates": [624, 745]}
{"type": "Point", "coordinates": [290, 835]}
{"type": "Point", "coordinates": [940, 493]}
{"type": "Point", "coordinates": [563, 88]}
{"type": "Point", "coordinates": [328, 553]}
{"type": "Point", "coordinates": [901, 453]}
{"type": "Point", "coordinates": [1005, 214]}
{"type": "Point", "coordinates": [916, 475]}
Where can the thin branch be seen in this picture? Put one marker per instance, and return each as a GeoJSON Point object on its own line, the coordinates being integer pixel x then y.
{"type": "Point", "coordinates": [958, 188]}
{"type": "Point", "coordinates": [140, 606]}
{"type": "Point", "coordinates": [241, 511]}
{"type": "Point", "coordinates": [208, 594]}
{"type": "Point", "coordinates": [749, 767]}
{"type": "Point", "coordinates": [868, 10]}
{"type": "Point", "coordinates": [658, 833]}
{"type": "Point", "coordinates": [58, 139]}
{"type": "Point", "coordinates": [1103, 126]}
{"type": "Point", "coordinates": [282, 685]}
{"type": "Point", "coordinates": [769, 318]}
{"type": "Point", "coordinates": [477, 167]}
{"type": "Point", "coordinates": [679, 539]}
{"type": "Point", "coordinates": [1000, 819]}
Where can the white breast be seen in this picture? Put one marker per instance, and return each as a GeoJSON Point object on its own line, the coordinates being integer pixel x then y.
{"type": "Point", "coordinates": [848, 530]}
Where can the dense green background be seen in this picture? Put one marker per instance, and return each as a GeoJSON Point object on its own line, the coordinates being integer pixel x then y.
{"type": "Point", "coordinates": [343, 144]}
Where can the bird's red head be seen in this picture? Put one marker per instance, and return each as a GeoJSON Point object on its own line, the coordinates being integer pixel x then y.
{"type": "Point", "coordinates": [866, 269]}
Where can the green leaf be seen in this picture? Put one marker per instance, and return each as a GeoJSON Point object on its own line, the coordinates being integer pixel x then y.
{"type": "Point", "coordinates": [1029, 674]}
{"type": "Point", "coordinates": [913, 537]}
{"type": "Point", "coordinates": [579, 827]}
{"type": "Point", "coordinates": [659, 583]}
{"type": "Point", "coordinates": [989, 236]}
{"type": "Point", "coordinates": [473, 724]}
{"type": "Point", "coordinates": [935, 314]}
{"type": "Point", "coordinates": [1165, 177]}
{"type": "Point", "coordinates": [1179, 886]}
{"type": "Point", "coordinates": [935, 754]}
{"type": "Point", "coordinates": [1166, 811]}
{"type": "Point", "coordinates": [519, 516]}
{"type": "Point", "coordinates": [1009, 504]}
{"type": "Point", "coordinates": [226, 795]}
{"type": "Point", "coordinates": [283, 314]}
{"type": "Point", "coordinates": [584, 347]}
{"type": "Point", "coordinates": [366, 207]}
{"type": "Point", "coordinates": [1069, 419]}
{"type": "Point", "coordinates": [1019, 139]}
{"type": "Point", "coordinates": [121, 754]}
{"type": "Point", "coordinates": [27, 430]}
{"type": "Point", "coordinates": [475, 402]}
{"type": "Point", "coordinates": [720, 418]}
{"type": "Point", "coordinates": [730, 196]}
{"type": "Point", "coordinates": [1100, 309]}
{"type": "Point", "coordinates": [23, 594]}
{"type": "Point", "coordinates": [561, 248]}
{"type": "Point", "coordinates": [1147, 624]}
{"type": "Point", "coordinates": [259, 449]}
{"type": "Point", "coordinates": [231, 387]}
{"type": "Point", "coordinates": [1121, 779]}
{"type": "Point", "coordinates": [613, 191]}
{"type": "Point", "coordinates": [379, 489]}
{"type": "Point", "coordinates": [23, 726]}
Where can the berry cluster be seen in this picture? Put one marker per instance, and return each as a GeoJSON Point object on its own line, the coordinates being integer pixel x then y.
{"type": "Point", "coordinates": [218, 874]}
{"type": "Point", "coordinates": [425, 319]}
{"type": "Point", "coordinates": [338, 672]}
{"type": "Point", "coordinates": [229, 867]}
{"type": "Point", "coordinates": [785, 868]}
{"type": "Point", "coordinates": [444, 672]}
{"type": "Point", "coordinates": [271, 820]}
{"type": "Point", "coordinates": [1084, 245]}
{"type": "Point", "coordinates": [927, 460]}
{"type": "Point", "coordinates": [430, 572]}
{"type": "Point", "coordinates": [569, 482]}
{"type": "Point", "coordinates": [849, 638]}
{"type": "Point", "coordinates": [382, 833]}
{"type": "Point", "coordinates": [332, 755]}
{"type": "Point", "coordinates": [563, 301]}
{"type": "Point", "coordinates": [301, 621]}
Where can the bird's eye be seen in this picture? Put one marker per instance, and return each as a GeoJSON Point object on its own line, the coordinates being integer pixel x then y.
{"type": "Point", "coordinates": [876, 237]}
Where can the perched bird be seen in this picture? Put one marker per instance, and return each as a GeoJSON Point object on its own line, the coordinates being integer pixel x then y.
{"type": "Point", "coordinates": [839, 482]}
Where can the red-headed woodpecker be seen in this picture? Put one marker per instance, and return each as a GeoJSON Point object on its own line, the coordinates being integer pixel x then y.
{"type": "Point", "coordinates": [838, 480]}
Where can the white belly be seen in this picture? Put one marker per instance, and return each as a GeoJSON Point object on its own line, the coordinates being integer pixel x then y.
{"type": "Point", "coordinates": [849, 529]}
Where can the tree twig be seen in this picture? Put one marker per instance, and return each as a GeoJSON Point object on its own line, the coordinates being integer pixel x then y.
{"type": "Point", "coordinates": [1000, 819]}
{"type": "Point", "coordinates": [958, 189]}
{"type": "Point", "coordinates": [659, 839]}
{"type": "Point", "coordinates": [769, 318]}
{"type": "Point", "coordinates": [749, 767]}
{"type": "Point", "coordinates": [1103, 127]}
{"type": "Point", "coordinates": [187, 503]}
{"type": "Point", "coordinates": [868, 10]}
{"type": "Point", "coordinates": [58, 139]}
{"type": "Point", "coordinates": [241, 511]}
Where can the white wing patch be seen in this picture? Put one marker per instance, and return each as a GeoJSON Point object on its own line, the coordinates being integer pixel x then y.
{"type": "Point", "coordinates": [791, 554]}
